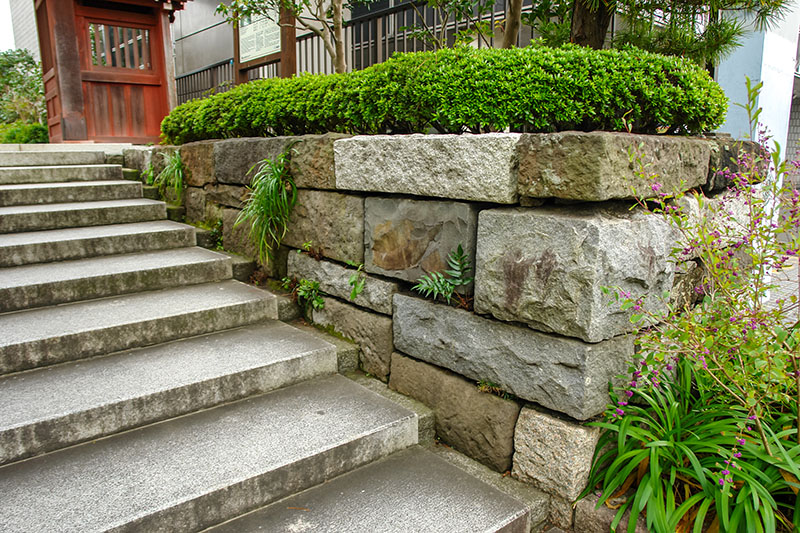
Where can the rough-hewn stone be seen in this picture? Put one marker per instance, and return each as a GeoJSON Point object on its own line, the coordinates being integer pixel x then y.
{"type": "Point", "coordinates": [331, 221]}
{"type": "Point", "coordinates": [725, 153]}
{"type": "Point", "coordinates": [137, 157]}
{"type": "Point", "coordinates": [233, 158]}
{"type": "Point", "coordinates": [373, 332]}
{"type": "Point", "coordinates": [553, 454]}
{"type": "Point", "coordinates": [312, 161]}
{"type": "Point", "coordinates": [334, 279]}
{"type": "Point", "coordinates": [590, 519]}
{"type": "Point", "coordinates": [159, 156]}
{"type": "Point", "coordinates": [408, 238]}
{"type": "Point", "coordinates": [235, 238]}
{"type": "Point", "coordinates": [226, 195]}
{"type": "Point", "coordinates": [688, 276]}
{"type": "Point", "coordinates": [560, 373]}
{"type": "Point", "coordinates": [198, 162]}
{"type": "Point", "coordinates": [546, 267]}
{"type": "Point", "coordinates": [195, 202]}
{"type": "Point", "coordinates": [463, 167]}
{"type": "Point", "coordinates": [475, 423]}
{"type": "Point", "coordinates": [596, 166]}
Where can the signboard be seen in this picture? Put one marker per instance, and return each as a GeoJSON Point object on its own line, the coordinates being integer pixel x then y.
{"type": "Point", "coordinates": [258, 38]}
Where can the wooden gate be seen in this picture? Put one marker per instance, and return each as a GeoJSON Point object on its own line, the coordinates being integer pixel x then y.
{"type": "Point", "coordinates": [106, 74]}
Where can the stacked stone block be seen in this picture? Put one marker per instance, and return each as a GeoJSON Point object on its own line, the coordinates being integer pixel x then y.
{"type": "Point", "coordinates": [546, 222]}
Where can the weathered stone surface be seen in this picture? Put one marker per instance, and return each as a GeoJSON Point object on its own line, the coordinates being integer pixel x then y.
{"type": "Point", "coordinates": [159, 156]}
{"type": "Point", "coordinates": [312, 161]}
{"type": "Point", "coordinates": [589, 519]}
{"type": "Point", "coordinates": [236, 238]}
{"type": "Point", "coordinates": [553, 454]}
{"type": "Point", "coordinates": [371, 331]}
{"type": "Point", "coordinates": [331, 221]}
{"type": "Point", "coordinates": [596, 166]}
{"type": "Point", "coordinates": [233, 158]}
{"type": "Point", "coordinates": [560, 514]}
{"type": "Point", "coordinates": [475, 423]}
{"type": "Point", "coordinates": [689, 275]}
{"type": "Point", "coordinates": [226, 195]}
{"type": "Point", "coordinates": [482, 168]}
{"type": "Point", "coordinates": [195, 202]}
{"type": "Point", "coordinates": [137, 157]}
{"type": "Point", "coordinates": [198, 161]}
{"type": "Point", "coordinates": [563, 374]}
{"type": "Point", "coordinates": [408, 238]}
{"type": "Point", "coordinates": [546, 267]}
{"type": "Point", "coordinates": [725, 154]}
{"type": "Point", "coordinates": [334, 279]}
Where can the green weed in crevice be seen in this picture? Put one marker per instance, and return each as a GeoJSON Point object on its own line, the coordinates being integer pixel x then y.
{"type": "Point", "coordinates": [172, 177]}
{"type": "Point", "coordinates": [437, 285]}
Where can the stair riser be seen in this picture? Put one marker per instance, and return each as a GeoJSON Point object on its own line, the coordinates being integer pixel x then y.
{"type": "Point", "coordinates": [18, 222]}
{"type": "Point", "coordinates": [68, 194]}
{"type": "Point", "coordinates": [83, 248]}
{"type": "Point", "coordinates": [14, 175]}
{"type": "Point", "coordinates": [232, 501]}
{"type": "Point", "coordinates": [25, 159]}
{"type": "Point", "coordinates": [26, 441]}
{"type": "Point", "coordinates": [24, 356]}
{"type": "Point", "coordinates": [44, 294]}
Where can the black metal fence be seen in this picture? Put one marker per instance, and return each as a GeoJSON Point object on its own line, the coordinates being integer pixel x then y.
{"type": "Point", "coordinates": [370, 37]}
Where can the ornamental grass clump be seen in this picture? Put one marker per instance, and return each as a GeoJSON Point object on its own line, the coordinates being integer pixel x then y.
{"type": "Point", "coordinates": [704, 435]}
{"type": "Point", "coordinates": [464, 90]}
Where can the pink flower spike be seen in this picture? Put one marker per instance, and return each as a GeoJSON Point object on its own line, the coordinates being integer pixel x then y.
{"type": "Point", "coordinates": [740, 441]}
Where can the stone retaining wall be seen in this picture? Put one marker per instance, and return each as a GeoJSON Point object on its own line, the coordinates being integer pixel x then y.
{"type": "Point", "coordinates": [546, 222]}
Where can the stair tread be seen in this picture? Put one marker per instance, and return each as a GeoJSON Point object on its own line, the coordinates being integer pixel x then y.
{"type": "Point", "coordinates": [41, 158]}
{"type": "Point", "coordinates": [88, 232]}
{"type": "Point", "coordinates": [97, 267]}
{"type": "Point", "coordinates": [64, 184]}
{"type": "Point", "coordinates": [76, 166]}
{"type": "Point", "coordinates": [410, 491]}
{"type": "Point", "coordinates": [75, 206]}
{"type": "Point", "coordinates": [51, 322]}
{"type": "Point", "coordinates": [189, 472]}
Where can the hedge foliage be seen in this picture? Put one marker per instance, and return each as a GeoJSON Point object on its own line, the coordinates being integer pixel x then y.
{"type": "Point", "coordinates": [534, 89]}
{"type": "Point", "coordinates": [23, 133]}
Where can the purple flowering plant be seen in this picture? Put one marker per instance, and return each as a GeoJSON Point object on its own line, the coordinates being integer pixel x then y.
{"type": "Point", "coordinates": [704, 434]}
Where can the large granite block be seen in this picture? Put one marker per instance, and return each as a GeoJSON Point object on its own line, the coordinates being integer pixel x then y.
{"type": "Point", "coordinates": [553, 454]}
{"type": "Point", "coordinates": [373, 332]}
{"type": "Point", "coordinates": [481, 168]}
{"type": "Point", "coordinates": [475, 423]}
{"type": "Point", "coordinates": [408, 238]}
{"type": "Point", "coordinates": [597, 166]}
{"type": "Point", "coordinates": [334, 279]}
{"type": "Point", "coordinates": [312, 165]}
{"type": "Point", "coordinates": [560, 373]}
{"type": "Point", "coordinates": [234, 158]}
{"type": "Point", "coordinates": [546, 267]}
{"type": "Point", "coordinates": [331, 221]}
{"type": "Point", "coordinates": [198, 162]}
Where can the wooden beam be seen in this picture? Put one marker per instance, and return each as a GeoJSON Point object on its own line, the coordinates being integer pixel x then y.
{"type": "Point", "coordinates": [288, 44]}
{"type": "Point", "coordinates": [68, 66]}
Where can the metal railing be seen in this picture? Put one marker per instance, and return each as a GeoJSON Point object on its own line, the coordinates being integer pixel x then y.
{"type": "Point", "coordinates": [369, 39]}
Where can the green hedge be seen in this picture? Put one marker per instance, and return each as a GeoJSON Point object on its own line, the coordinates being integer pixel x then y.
{"type": "Point", "coordinates": [534, 89]}
{"type": "Point", "coordinates": [23, 133]}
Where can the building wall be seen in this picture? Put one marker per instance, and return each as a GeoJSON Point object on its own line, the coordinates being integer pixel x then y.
{"type": "Point", "coordinates": [23, 20]}
{"type": "Point", "coordinates": [200, 37]}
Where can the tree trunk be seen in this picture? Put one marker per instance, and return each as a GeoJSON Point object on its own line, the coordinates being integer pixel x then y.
{"type": "Point", "coordinates": [338, 36]}
{"type": "Point", "coordinates": [589, 26]}
{"type": "Point", "coordinates": [512, 23]}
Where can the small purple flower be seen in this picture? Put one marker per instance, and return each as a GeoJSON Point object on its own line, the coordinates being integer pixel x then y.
{"type": "Point", "coordinates": [737, 454]}
{"type": "Point", "coordinates": [725, 472]}
{"type": "Point", "coordinates": [740, 441]}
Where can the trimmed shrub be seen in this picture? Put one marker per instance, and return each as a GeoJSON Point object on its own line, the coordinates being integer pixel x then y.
{"type": "Point", "coordinates": [534, 89]}
{"type": "Point", "coordinates": [23, 133]}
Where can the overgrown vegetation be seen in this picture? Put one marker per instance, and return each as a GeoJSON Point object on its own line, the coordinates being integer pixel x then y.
{"type": "Point", "coordinates": [306, 293]}
{"type": "Point", "coordinates": [22, 105]}
{"type": "Point", "coordinates": [358, 279]}
{"type": "Point", "coordinates": [704, 436]}
{"type": "Point", "coordinates": [172, 178]}
{"type": "Point", "coordinates": [535, 89]}
{"type": "Point", "coordinates": [20, 132]}
{"type": "Point", "coordinates": [271, 197]}
{"type": "Point", "coordinates": [438, 286]}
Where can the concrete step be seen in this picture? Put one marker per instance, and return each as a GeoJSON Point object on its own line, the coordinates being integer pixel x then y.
{"type": "Point", "coordinates": [410, 491]}
{"type": "Point", "coordinates": [43, 284]}
{"type": "Point", "coordinates": [75, 191]}
{"type": "Point", "coordinates": [50, 335]}
{"type": "Point", "coordinates": [203, 469]}
{"type": "Point", "coordinates": [19, 218]}
{"type": "Point", "coordinates": [45, 158]}
{"type": "Point", "coordinates": [50, 408]}
{"type": "Point", "coordinates": [59, 173]}
{"type": "Point", "coordinates": [76, 243]}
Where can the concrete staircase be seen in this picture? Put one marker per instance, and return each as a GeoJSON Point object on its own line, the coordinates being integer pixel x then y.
{"type": "Point", "coordinates": [142, 389]}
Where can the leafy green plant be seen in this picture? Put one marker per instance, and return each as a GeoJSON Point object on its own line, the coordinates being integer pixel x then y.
{"type": "Point", "coordinates": [172, 177]}
{"type": "Point", "coordinates": [357, 280]}
{"type": "Point", "coordinates": [437, 285]}
{"type": "Point", "coordinates": [306, 293]}
{"type": "Point", "coordinates": [272, 196]}
{"type": "Point", "coordinates": [534, 89]}
{"type": "Point", "coordinates": [21, 89]}
{"type": "Point", "coordinates": [489, 387]}
{"type": "Point", "coordinates": [24, 133]}
{"type": "Point", "coordinates": [148, 175]}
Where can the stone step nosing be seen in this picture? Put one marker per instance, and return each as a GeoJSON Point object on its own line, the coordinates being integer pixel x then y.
{"type": "Point", "coordinates": [84, 191]}
{"type": "Point", "coordinates": [58, 174]}
{"type": "Point", "coordinates": [90, 216]}
{"type": "Point", "coordinates": [24, 439]}
{"type": "Point", "coordinates": [49, 293]}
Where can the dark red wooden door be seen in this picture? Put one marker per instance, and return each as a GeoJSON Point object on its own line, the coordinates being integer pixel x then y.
{"type": "Point", "coordinates": [122, 73]}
